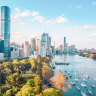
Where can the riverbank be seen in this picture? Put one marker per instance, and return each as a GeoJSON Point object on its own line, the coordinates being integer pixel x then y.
{"type": "Point", "coordinates": [91, 56]}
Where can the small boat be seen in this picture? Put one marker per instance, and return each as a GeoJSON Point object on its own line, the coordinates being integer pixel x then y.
{"type": "Point", "coordinates": [76, 80]}
{"type": "Point", "coordinates": [90, 92]}
{"type": "Point", "coordinates": [72, 83]}
{"type": "Point", "coordinates": [77, 88]}
{"type": "Point", "coordinates": [92, 85]}
{"type": "Point", "coordinates": [53, 67]}
{"type": "Point", "coordinates": [70, 76]}
{"type": "Point", "coordinates": [83, 85]}
{"type": "Point", "coordinates": [85, 80]}
{"type": "Point", "coordinates": [83, 94]}
{"type": "Point", "coordinates": [87, 76]}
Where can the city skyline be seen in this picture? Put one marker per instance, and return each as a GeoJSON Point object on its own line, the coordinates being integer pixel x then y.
{"type": "Point", "coordinates": [77, 22]}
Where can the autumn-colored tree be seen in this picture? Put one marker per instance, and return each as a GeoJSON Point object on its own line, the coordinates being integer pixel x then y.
{"type": "Point", "coordinates": [47, 72]}
{"type": "Point", "coordinates": [59, 81]}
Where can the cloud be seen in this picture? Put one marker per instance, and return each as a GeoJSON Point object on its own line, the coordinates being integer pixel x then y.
{"type": "Point", "coordinates": [86, 27]}
{"type": "Point", "coordinates": [25, 13]}
{"type": "Point", "coordinates": [61, 19]}
{"type": "Point", "coordinates": [89, 27]}
{"type": "Point", "coordinates": [38, 18]}
{"type": "Point", "coordinates": [35, 16]}
{"type": "Point", "coordinates": [35, 13]}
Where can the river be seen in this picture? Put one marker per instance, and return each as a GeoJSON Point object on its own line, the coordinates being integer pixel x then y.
{"type": "Point", "coordinates": [81, 72]}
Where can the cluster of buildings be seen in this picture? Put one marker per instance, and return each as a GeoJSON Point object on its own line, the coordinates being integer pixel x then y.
{"type": "Point", "coordinates": [65, 49]}
{"type": "Point", "coordinates": [87, 51]}
{"type": "Point", "coordinates": [12, 50]}
{"type": "Point", "coordinates": [34, 47]}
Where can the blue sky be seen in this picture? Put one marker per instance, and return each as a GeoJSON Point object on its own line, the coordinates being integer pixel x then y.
{"type": "Point", "coordinates": [75, 19]}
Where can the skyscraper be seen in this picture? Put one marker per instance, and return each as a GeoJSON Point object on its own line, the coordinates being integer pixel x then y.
{"type": "Point", "coordinates": [38, 46]}
{"type": "Point", "coordinates": [45, 44]}
{"type": "Point", "coordinates": [64, 42]}
{"type": "Point", "coordinates": [33, 45]}
{"type": "Point", "coordinates": [5, 29]}
{"type": "Point", "coordinates": [26, 49]}
{"type": "Point", "coordinates": [65, 45]}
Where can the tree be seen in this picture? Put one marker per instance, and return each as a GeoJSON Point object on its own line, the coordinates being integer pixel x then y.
{"type": "Point", "coordinates": [7, 64]}
{"type": "Point", "coordinates": [52, 92]}
{"type": "Point", "coordinates": [9, 92]}
{"type": "Point", "coordinates": [47, 72]}
{"type": "Point", "coordinates": [37, 80]}
{"type": "Point", "coordinates": [13, 79]}
{"type": "Point", "coordinates": [59, 81]}
{"type": "Point", "coordinates": [33, 63]}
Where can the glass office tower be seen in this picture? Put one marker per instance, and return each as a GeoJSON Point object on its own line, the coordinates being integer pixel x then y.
{"type": "Point", "coordinates": [5, 29]}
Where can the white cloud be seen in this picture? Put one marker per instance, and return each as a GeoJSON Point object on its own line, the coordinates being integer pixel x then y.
{"type": "Point", "coordinates": [38, 18]}
{"type": "Point", "coordinates": [35, 13]}
{"type": "Point", "coordinates": [86, 28]}
{"type": "Point", "coordinates": [35, 16]}
{"type": "Point", "coordinates": [61, 19]}
{"type": "Point", "coordinates": [89, 27]}
{"type": "Point", "coordinates": [25, 13]}
{"type": "Point", "coordinates": [18, 14]}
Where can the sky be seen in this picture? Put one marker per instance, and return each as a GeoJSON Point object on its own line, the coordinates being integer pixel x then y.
{"type": "Point", "coordinates": [74, 19]}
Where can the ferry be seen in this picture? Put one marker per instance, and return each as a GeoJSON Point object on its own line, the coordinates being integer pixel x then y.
{"type": "Point", "coordinates": [61, 63]}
